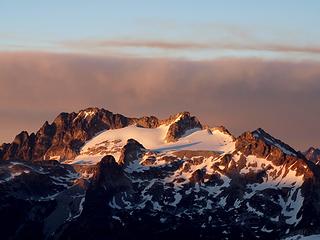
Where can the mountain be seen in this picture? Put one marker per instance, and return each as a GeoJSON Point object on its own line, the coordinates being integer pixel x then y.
{"type": "Point", "coordinates": [99, 175]}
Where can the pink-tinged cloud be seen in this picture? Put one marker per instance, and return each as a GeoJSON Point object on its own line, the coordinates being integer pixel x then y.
{"type": "Point", "coordinates": [189, 45]}
{"type": "Point", "coordinates": [242, 94]}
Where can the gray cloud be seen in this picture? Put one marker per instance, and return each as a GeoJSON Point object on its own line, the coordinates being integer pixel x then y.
{"type": "Point", "coordinates": [242, 94]}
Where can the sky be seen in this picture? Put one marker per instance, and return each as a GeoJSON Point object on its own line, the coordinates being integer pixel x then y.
{"type": "Point", "coordinates": [242, 64]}
{"type": "Point", "coordinates": [201, 30]}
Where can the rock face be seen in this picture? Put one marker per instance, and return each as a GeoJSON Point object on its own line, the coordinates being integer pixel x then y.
{"type": "Point", "coordinates": [109, 175]}
{"type": "Point", "coordinates": [131, 151]}
{"type": "Point", "coordinates": [313, 154]}
{"type": "Point", "coordinates": [182, 123]}
{"type": "Point", "coordinates": [63, 138]}
{"type": "Point", "coordinates": [203, 184]}
{"type": "Point", "coordinates": [147, 122]}
{"type": "Point", "coordinates": [21, 147]}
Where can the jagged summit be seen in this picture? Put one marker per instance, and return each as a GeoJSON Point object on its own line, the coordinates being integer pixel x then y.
{"type": "Point", "coordinates": [180, 124]}
{"type": "Point", "coordinates": [262, 134]}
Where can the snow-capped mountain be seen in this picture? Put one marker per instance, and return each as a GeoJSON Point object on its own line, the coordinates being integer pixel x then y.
{"type": "Point", "coordinates": [99, 175]}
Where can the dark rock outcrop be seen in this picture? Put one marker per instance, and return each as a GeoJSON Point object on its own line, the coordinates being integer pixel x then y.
{"type": "Point", "coordinates": [97, 218]}
{"type": "Point", "coordinates": [21, 148]}
{"type": "Point", "coordinates": [313, 154]}
{"type": "Point", "coordinates": [32, 193]}
{"type": "Point", "coordinates": [147, 122]}
{"type": "Point", "coordinates": [109, 176]}
{"type": "Point", "coordinates": [181, 123]}
{"type": "Point", "coordinates": [3, 149]}
{"type": "Point", "coordinates": [131, 151]}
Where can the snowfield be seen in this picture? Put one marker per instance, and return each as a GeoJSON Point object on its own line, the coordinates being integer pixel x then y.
{"type": "Point", "coordinates": [111, 142]}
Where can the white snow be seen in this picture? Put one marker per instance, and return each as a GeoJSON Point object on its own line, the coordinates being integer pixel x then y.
{"type": "Point", "coordinates": [81, 204]}
{"type": "Point", "coordinates": [177, 199]}
{"type": "Point", "coordinates": [275, 219]}
{"type": "Point", "coordinates": [113, 204]}
{"type": "Point", "coordinates": [291, 208]}
{"type": "Point", "coordinates": [116, 218]}
{"type": "Point", "coordinates": [223, 201]}
{"type": "Point", "coordinates": [251, 209]}
{"type": "Point", "coordinates": [237, 203]}
{"type": "Point", "coordinates": [111, 142]}
{"type": "Point", "coordinates": [264, 229]}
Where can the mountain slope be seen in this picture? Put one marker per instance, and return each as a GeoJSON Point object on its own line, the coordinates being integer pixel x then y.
{"type": "Point", "coordinates": [146, 178]}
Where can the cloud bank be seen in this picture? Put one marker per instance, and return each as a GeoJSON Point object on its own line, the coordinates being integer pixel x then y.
{"type": "Point", "coordinates": [242, 94]}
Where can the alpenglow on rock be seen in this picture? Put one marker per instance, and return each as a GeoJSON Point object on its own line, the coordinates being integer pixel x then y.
{"type": "Point", "coordinates": [99, 175]}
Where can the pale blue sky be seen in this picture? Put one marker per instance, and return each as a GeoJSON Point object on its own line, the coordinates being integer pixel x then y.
{"type": "Point", "coordinates": [226, 28]}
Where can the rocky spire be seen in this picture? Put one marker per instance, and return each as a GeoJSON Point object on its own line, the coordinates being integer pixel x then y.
{"type": "Point", "coordinates": [180, 124]}
{"type": "Point", "coordinates": [313, 154]}
{"type": "Point", "coordinates": [131, 151]}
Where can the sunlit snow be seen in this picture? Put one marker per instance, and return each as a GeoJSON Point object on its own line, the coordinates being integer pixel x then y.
{"type": "Point", "coordinates": [111, 142]}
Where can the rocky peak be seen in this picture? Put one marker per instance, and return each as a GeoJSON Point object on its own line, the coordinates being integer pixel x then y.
{"type": "Point", "coordinates": [21, 138]}
{"type": "Point", "coordinates": [130, 152]}
{"type": "Point", "coordinates": [313, 154]}
{"type": "Point", "coordinates": [64, 119]}
{"type": "Point", "coordinates": [262, 145]}
{"type": "Point", "coordinates": [263, 135]}
{"type": "Point", "coordinates": [147, 122]}
{"type": "Point", "coordinates": [180, 124]}
{"type": "Point", "coordinates": [47, 129]}
{"type": "Point", "coordinates": [21, 147]}
{"type": "Point", "coordinates": [222, 129]}
{"type": "Point", "coordinates": [109, 176]}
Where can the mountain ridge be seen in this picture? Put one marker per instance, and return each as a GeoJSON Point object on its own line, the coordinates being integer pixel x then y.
{"type": "Point", "coordinates": [49, 135]}
{"type": "Point", "coordinates": [150, 178]}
